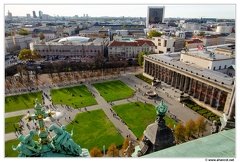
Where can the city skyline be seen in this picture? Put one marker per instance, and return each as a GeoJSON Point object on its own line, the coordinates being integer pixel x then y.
{"type": "Point", "coordinates": [127, 10]}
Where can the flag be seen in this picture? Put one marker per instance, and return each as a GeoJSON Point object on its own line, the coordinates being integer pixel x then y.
{"type": "Point", "coordinates": [200, 47]}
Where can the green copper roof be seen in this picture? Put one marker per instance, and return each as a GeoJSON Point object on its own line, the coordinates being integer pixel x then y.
{"type": "Point", "coordinates": [222, 144]}
{"type": "Point", "coordinates": [161, 108]}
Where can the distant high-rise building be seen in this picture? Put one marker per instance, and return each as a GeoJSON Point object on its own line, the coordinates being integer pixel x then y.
{"type": "Point", "coordinates": [155, 15]}
{"type": "Point", "coordinates": [34, 14]}
{"type": "Point", "coordinates": [83, 15]}
{"type": "Point", "coordinates": [40, 14]}
{"type": "Point", "coordinates": [28, 16]}
{"type": "Point", "coordinates": [9, 15]}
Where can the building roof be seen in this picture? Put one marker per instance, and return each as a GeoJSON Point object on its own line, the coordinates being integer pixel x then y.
{"type": "Point", "coordinates": [221, 144]}
{"type": "Point", "coordinates": [36, 31]}
{"type": "Point", "coordinates": [131, 43]}
{"type": "Point", "coordinates": [193, 41]}
{"type": "Point", "coordinates": [75, 39]}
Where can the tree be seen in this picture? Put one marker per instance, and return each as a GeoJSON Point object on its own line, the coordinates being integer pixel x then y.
{"type": "Point", "coordinates": [201, 33]}
{"type": "Point", "coordinates": [41, 36]}
{"type": "Point", "coordinates": [140, 57]}
{"type": "Point", "coordinates": [23, 32]}
{"type": "Point", "coordinates": [154, 33]}
{"type": "Point", "coordinates": [201, 125]}
{"type": "Point", "coordinates": [95, 152]}
{"type": "Point", "coordinates": [125, 145]}
{"type": "Point", "coordinates": [27, 54]}
{"type": "Point", "coordinates": [113, 151]}
{"type": "Point", "coordinates": [180, 132]}
{"type": "Point", "coordinates": [191, 128]}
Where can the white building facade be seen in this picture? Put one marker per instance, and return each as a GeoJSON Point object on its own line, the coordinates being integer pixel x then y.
{"type": "Point", "coordinates": [129, 48]}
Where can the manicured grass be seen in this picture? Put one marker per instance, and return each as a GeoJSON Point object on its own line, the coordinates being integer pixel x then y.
{"type": "Point", "coordinates": [138, 116]}
{"type": "Point", "coordinates": [114, 90]}
{"type": "Point", "coordinates": [8, 148]}
{"type": "Point", "coordinates": [202, 111]}
{"type": "Point", "coordinates": [9, 122]}
{"type": "Point", "coordinates": [76, 97]}
{"type": "Point", "coordinates": [94, 129]}
{"type": "Point", "coordinates": [21, 102]}
{"type": "Point", "coordinates": [145, 79]}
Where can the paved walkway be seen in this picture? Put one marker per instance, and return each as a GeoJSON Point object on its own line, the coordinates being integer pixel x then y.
{"type": "Point", "coordinates": [64, 114]}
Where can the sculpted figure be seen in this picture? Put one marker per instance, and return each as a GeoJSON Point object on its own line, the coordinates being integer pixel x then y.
{"type": "Point", "coordinates": [27, 147]}
{"type": "Point", "coordinates": [63, 141]}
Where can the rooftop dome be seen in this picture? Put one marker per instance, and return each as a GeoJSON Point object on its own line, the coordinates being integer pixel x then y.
{"type": "Point", "coordinates": [75, 39]}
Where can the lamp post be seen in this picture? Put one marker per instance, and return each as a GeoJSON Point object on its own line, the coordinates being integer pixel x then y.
{"type": "Point", "coordinates": [104, 150]}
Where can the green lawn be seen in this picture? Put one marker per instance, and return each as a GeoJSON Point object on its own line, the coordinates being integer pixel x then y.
{"type": "Point", "coordinates": [78, 96]}
{"type": "Point", "coordinates": [114, 90]}
{"type": "Point", "coordinates": [21, 102]}
{"type": "Point", "coordinates": [138, 116]}
{"type": "Point", "coordinates": [8, 148]}
{"type": "Point", "coordinates": [94, 129]}
{"type": "Point", "coordinates": [9, 122]}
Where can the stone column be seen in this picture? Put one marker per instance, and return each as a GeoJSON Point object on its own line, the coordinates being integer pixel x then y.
{"type": "Point", "coordinates": [211, 100]}
{"type": "Point", "coordinates": [219, 97]}
{"type": "Point", "coordinates": [190, 86]}
{"type": "Point", "coordinates": [165, 75]}
{"type": "Point", "coordinates": [169, 76]}
{"type": "Point", "coordinates": [156, 67]}
{"type": "Point", "coordinates": [200, 91]}
{"type": "Point", "coordinates": [205, 97]}
{"type": "Point", "coordinates": [194, 93]}
{"type": "Point", "coordinates": [186, 84]}
{"type": "Point", "coordinates": [181, 82]}
{"type": "Point", "coordinates": [175, 84]}
{"type": "Point", "coordinates": [172, 79]}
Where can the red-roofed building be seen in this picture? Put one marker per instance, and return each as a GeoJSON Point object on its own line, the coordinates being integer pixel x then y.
{"type": "Point", "coordinates": [211, 40]}
{"type": "Point", "coordinates": [128, 48]}
{"type": "Point", "coordinates": [194, 43]}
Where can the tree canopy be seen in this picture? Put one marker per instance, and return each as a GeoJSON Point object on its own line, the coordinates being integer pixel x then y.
{"type": "Point", "coordinates": [191, 128]}
{"type": "Point", "coordinates": [154, 33]}
{"type": "Point", "coordinates": [27, 54]}
{"type": "Point", "coordinates": [201, 125]}
{"type": "Point", "coordinates": [23, 32]}
{"type": "Point", "coordinates": [140, 57]}
{"type": "Point", "coordinates": [95, 152]}
{"type": "Point", "coordinates": [113, 151]}
{"type": "Point", "coordinates": [41, 36]}
{"type": "Point", "coordinates": [180, 132]}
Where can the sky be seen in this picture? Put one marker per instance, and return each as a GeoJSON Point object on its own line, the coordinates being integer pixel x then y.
{"type": "Point", "coordinates": [218, 11]}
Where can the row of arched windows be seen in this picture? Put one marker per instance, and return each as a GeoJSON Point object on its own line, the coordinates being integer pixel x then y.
{"type": "Point", "coordinates": [95, 51]}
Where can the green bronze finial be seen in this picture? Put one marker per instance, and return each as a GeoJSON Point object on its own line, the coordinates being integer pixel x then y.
{"type": "Point", "coordinates": [37, 105]}
{"type": "Point", "coordinates": [161, 109]}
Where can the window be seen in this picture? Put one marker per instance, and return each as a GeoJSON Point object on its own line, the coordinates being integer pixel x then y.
{"type": "Point", "coordinates": [219, 67]}
{"type": "Point", "coordinates": [165, 43]}
{"type": "Point", "coordinates": [168, 49]}
{"type": "Point", "coordinates": [214, 68]}
{"type": "Point", "coordinates": [225, 66]}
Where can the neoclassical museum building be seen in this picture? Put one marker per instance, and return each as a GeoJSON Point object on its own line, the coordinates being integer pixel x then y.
{"type": "Point", "coordinates": [198, 74]}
